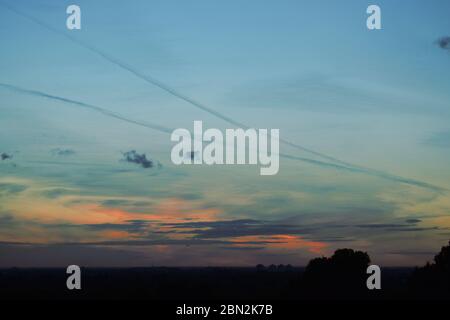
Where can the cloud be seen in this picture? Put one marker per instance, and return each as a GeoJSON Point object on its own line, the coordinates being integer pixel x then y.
{"type": "Point", "coordinates": [11, 188]}
{"type": "Point", "coordinates": [413, 221]}
{"type": "Point", "coordinates": [141, 159]}
{"type": "Point", "coordinates": [62, 152]}
{"type": "Point", "coordinates": [439, 139]}
{"type": "Point", "coordinates": [54, 193]}
{"type": "Point", "coordinates": [236, 228]}
{"type": "Point", "coordinates": [120, 203]}
{"type": "Point", "coordinates": [396, 227]}
{"type": "Point", "coordinates": [444, 43]}
{"type": "Point", "coordinates": [133, 226]}
{"type": "Point", "coordinates": [5, 156]}
{"type": "Point", "coordinates": [6, 220]}
{"type": "Point", "coordinates": [242, 248]}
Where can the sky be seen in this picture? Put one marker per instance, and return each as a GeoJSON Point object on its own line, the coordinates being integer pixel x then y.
{"type": "Point", "coordinates": [372, 105]}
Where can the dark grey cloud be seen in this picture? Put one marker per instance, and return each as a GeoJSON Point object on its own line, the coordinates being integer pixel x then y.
{"type": "Point", "coordinates": [444, 43]}
{"type": "Point", "coordinates": [133, 226]}
{"type": "Point", "coordinates": [251, 227]}
{"type": "Point", "coordinates": [314, 232]}
{"type": "Point", "coordinates": [140, 159]}
{"type": "Point", "coordinates": [62, 152]}
{"type": "Point", "coordinates": [5, 156]}
{"type": "Point", "coordinates": [413, 221]}
{"type": "Point", "coordinates": [237, 228]}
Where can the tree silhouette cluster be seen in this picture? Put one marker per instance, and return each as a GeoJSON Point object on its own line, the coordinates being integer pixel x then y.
{"type": "Point", "coordinates": [433, 280]}
{"type": "Point", "coordinates": [342, 275]}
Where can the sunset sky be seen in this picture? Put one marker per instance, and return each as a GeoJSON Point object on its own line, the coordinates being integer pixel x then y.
{"type": "Point", "coordinates": [378, 101]}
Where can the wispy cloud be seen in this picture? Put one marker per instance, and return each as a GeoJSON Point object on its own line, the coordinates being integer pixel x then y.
{"type": "Point", "coordinates": [62, 152]}
{"type": "Point", "coordinates": [11, 188]}
{"type": "Point", "coordinates": [439, 139]}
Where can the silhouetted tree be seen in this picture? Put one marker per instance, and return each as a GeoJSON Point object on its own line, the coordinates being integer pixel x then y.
{"type": "Point", "coordinates": [433, 280]}
{"type": "Point", "coordinates": [260, 268]}
{"type": "Point", "coordinates": [342, 275]}
{"type": "Point", "coordinates": [272, 268]}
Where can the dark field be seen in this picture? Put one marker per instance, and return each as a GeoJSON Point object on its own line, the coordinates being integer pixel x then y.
{"type": "Point", "coordinates": [185, 284]}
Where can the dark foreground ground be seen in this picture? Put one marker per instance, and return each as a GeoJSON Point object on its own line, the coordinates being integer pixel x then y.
{"type": "Point", "coordinates": [184, 284]}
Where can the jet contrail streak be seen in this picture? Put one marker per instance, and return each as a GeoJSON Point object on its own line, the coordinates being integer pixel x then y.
{"type": "Point", "coordinates": [87, 106]}
{"type": "Point", "coordinates": [167, 130]}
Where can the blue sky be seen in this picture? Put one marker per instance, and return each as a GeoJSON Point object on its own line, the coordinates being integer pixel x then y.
{"type": "Point", "coordinates": [378, 99]}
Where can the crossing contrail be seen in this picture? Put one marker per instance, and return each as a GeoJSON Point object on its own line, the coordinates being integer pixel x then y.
{"type": "Point", "coordinates": [167, 130]}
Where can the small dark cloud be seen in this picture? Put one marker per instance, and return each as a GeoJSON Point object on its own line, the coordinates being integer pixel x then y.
{"type": "Point", "coordinates": [140, 159]}
{"type": "Point", "coordinates": [444, 43]}
{"type": "Point", "coordinates": [62, 152]}
{"type": "Point", "coordinates": [5, 156]}
{"type": "Point", "coordinates": [413, 221]}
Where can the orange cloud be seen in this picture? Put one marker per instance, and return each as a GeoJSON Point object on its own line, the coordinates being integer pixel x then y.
{"type": "Point", "coordinates": [282, 241]}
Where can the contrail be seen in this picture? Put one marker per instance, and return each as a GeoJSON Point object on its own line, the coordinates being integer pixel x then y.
{"type": "Point", "coordinates": [88, 106]}
{"type": "Point", "coordinates": [169, 89]}
{"type": "Point", "coordinates": [371, 172]}
{"type": "Point", "coordinates": [167, 130]}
